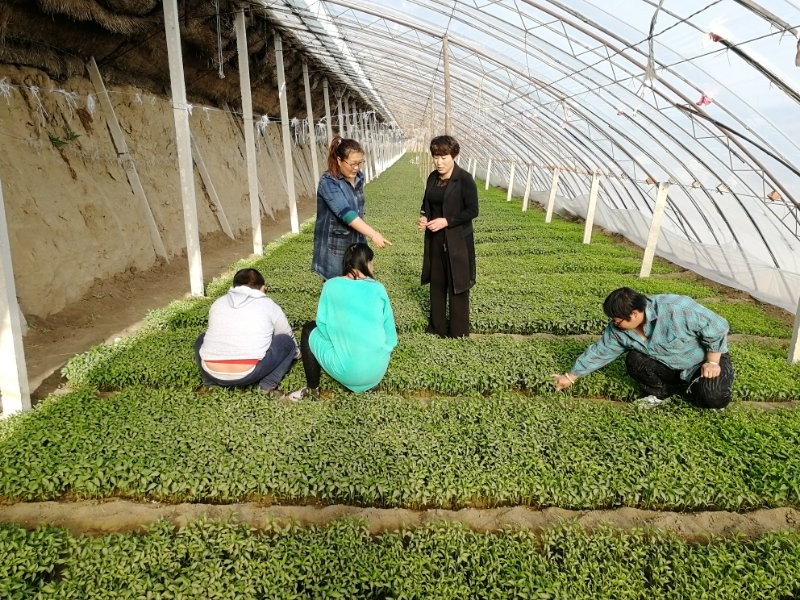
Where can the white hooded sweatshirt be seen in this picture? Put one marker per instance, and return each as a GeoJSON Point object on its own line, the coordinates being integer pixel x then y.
{"type": "Point", "coordinates": [241, 325]}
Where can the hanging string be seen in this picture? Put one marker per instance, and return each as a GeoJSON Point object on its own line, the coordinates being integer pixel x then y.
{"type": "Point", "coordinates": [219, 43]}
{"type": "Point", "coordinates": [40, 110]}
{"type": "Point", "coordinates": [5, 89]}
{"type": "Point", "coordinates": [70, 97]}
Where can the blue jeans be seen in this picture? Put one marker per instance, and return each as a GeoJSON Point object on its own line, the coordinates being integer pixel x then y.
{"type": "Point", "coordinates": [267, 373]}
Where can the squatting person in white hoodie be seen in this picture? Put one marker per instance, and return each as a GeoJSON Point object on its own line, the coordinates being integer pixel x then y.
{"type": "Point", "coordinates": [248, 341]}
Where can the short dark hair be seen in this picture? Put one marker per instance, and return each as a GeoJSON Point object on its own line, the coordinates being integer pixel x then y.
{"type": "Point", "coordinates": [357, 257]}
{"type": "Point", "coordinates": [621, 303]}
{"type": "Point", "coordinates": [443, 145]}
{"type": "Point", "coordinates": [249, 277]}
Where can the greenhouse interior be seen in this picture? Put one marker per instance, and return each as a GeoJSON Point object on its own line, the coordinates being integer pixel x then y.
{"type": "Point", "coordinates": [155, 151]}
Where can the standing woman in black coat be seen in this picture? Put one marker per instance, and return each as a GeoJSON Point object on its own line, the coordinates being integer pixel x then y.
{"type": "Point", "coordinates": [448, 265]}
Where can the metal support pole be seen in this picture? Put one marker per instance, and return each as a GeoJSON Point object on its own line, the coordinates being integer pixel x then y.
{"type": "Point", "coordinates": [312, 134]}
{"type": "Point", "coordinates": [488, 174]}
{"type": "Point", "coordinates": [287, 141]}
{"type": "Point", "coordinates": [249, 134]}
{"type": "Point", "coordinates": [14, 390]}
{"type": "Point", "coordinates": [183, 143]}
{"type": "Point", "coordinates": [366, 136]}
{"type": "Point", "coordinates": [341, 116]}
{"type": "Point", "coordinates": [551, 199]}
{"type": "Point", "coordinates": [655, 230]}
{"type": "Point", "coordinates": [587, 229]}
{"type": "Point", "coordinates": [348, 128]}
{"type": "Point", "coordinates": [527, 189]}
{"type": "Point", "coordinates": [511, 182]}
{"type": "Point", "coordinates": [794, 346]}
{"type": "Point", "coordinates": [328, 124]}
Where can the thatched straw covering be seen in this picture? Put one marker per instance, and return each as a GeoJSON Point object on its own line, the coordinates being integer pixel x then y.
{"type": "Point", "coordinates": [127, 39]}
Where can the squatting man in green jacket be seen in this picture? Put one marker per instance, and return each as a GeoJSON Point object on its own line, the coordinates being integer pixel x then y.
{"type": "Point", "coordinates": [674, 345]}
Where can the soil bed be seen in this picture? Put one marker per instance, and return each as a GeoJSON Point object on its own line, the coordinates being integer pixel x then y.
{"type": "Point", "coordinates": [122, 516]}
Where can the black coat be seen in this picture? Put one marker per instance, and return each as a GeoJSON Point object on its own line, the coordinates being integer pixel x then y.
{"type": "Point", "coordinates": [460, 207]}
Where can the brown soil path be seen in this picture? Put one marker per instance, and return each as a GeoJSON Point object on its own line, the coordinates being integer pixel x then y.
{"type": "Point", "coordinates": [119, 516]}
{"type": "Point", "coordinates": [117, 307]}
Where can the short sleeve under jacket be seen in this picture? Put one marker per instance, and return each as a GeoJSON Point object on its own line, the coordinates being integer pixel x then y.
{"type": "Point", "coordinates": [679, 333]}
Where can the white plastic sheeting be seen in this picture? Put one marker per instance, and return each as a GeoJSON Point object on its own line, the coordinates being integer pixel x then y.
{"type": "Point", "coordinates": [701, 94]}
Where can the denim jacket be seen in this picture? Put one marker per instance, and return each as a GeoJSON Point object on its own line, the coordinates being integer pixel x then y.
{"type": "Point", "coordinates": [338, 203]}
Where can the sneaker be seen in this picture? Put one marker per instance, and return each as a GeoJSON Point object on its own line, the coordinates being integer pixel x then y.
{"type": "Point", "coordinates": [274, 393]}
{"type": "Point", "coordinates": [649, 402]}
{"type": "Point", "coordinates": [310, 393]}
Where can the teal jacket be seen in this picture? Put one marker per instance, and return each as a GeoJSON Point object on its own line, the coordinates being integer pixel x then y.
{"type": "Point", "coordinates": [355, 332]}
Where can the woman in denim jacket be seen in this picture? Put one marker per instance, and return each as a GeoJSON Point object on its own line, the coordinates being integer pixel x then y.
{"type": "Point", "coordinates": [340, 209]}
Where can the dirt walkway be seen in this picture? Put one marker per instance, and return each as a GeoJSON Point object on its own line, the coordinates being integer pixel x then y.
{"type": "Point", "coordinates": [117, 307]}
{"type": "Point", "coordinates": [119, 516]}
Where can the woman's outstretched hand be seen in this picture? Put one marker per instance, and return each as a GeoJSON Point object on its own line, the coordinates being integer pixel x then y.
{"type": "Point", "coordinates": [380, 241]}
{"type": "Point", "coordinates": [562, 381]}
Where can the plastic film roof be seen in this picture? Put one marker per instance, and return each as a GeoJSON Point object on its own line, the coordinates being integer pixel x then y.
{"type": "Point", "coordinates": [702, 94]}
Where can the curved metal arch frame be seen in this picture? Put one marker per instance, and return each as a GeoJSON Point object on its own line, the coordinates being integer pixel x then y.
{"type": "Point", "coordinates": [502, 65]}
{"type": "Point", "coordinates": [630, 140]}
{"type": "Point", "coordinates": [674, 90]}
{"type": "Point", "coordinates": [685, 166]}
{"type": "Point", "coordinates": [701, 161]}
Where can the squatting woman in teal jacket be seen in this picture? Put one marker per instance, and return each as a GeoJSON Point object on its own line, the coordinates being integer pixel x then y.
{"type": "Point", "coordinates": [354, 332]}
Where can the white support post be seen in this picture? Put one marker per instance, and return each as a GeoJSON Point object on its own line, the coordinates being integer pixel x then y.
{"type": "Point", "coordinates": [328, 124]}
{"type": "Point", "coordinates": [488, 174]}
{"type": "Point", "coordinates": [794, 346]}
{"type": "Point", "coordinates": [121, 144]}
{"type": "Point", "coordinates": [237, 125]}
{"type": "Point", "coordinates": [341, 116]}
{"type": "Point", "coordinates": [372, 154]}
{"type": "Point", "coordinates": [356, 125]}
{"type": "Point", "coordinates": [655, 230]}
{"type": "Point", "coordinates": [287, 141]}
{"type": "Point", "coordinates": [366, 133]}
{"type": "Point", "coordinates": [183, 143]}
{"type": "Point", "coordinates": [249, 134]}
{"type": "Point", "coordinates": [312, 134]}
{"type": "Point", "coordinates": [348, 128]}
{"type": "Point", "coordinates": [587, 229]}
{"type": "Point", "coordinates": [551, 199]}
{"type": "Point", "coordinates": [527, 189]}
{"type": "Point", "coordinates": [511, 182]}
{"type": "Point", "coordinates": [14, 390]}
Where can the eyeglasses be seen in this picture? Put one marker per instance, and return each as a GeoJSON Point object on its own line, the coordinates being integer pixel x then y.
{"type": "Point", "coordinates": [357, 165]}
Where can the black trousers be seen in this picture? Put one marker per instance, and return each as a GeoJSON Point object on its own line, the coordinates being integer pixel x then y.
{"type": "Point", "coordinates": [659, 380]}
{"type": "Point", "coordinates": [311, 366]}
{"type": "Point", "coordinates": [441, 291]}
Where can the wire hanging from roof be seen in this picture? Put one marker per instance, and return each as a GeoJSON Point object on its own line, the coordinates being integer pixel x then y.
{"type": "Point", "coordinates": [221, 71]}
